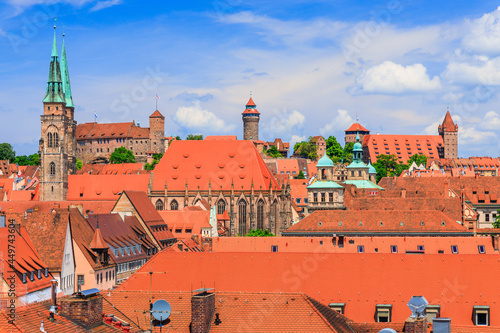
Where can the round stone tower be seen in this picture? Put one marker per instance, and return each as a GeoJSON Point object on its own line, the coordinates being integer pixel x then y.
{"type": "Point", "coordinates": [251, 121]}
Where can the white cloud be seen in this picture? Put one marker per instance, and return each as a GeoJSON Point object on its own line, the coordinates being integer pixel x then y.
{"type": "Point", "coordinates": [484, 36]}
{"type": "Point", "coordinates": [282, 123]}
{"type": "Point", "coordinates": [471, 136]}
{"type": "Point", "coordinates": [392, 78]}
{"type": "Point", "coordinates": [196, 118]}
{"type": "Point", "coordinates": [296, 138]}
{"type": "Point", "coordinates": [105, 4]}
{"type": "Point", "coordinates": [491, 121]}
{"type": "Point", "coordinates": [341, 122]}
{"type": "Point", "coordinates": [478, 70]}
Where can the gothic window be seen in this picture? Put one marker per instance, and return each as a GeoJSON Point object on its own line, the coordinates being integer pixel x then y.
{"type": "Point", "coordinates": [56, 140]}
{"type": "Point", "coordinates": [260, 215]}
{"type": "Point", "coordinates": [52, 168]}
{"type": "Point", "coordinates": [159, 204]}
{"type": "Point", "coordinates": [174, 205]}
{"type": "Point", "coordinates": [49, 140]}
{"type": "Point", "coordinates": [242, 218]}
{"type": "Point", "coordinates": [221, 207]}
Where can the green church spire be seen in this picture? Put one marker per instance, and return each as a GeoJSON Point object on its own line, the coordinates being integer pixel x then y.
{"type": "Point", "coordinates": [65, 77]}
{"type": "Point", "coordinates": [55, 92]}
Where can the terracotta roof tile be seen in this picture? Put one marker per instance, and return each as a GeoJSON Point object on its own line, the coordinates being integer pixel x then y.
{"type": "Point", "coordinates": [104, 187]}
{"type": "Point", "coordinates": [156, 114]}
{"type": "Point", "coordinates": [357, 127]}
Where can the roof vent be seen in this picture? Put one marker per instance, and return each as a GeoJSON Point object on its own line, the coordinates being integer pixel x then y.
{"type": "Point", "coordinates": [320, 224]}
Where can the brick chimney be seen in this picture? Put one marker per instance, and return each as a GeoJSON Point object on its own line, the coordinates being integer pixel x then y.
{"type": "Point", "coordinates": [85, 311]}
{"type": "Point", "coordinates": [202, 311]}
{"type": "Point", "coordinates": [416, 325]}
{"type": "Point", "coordinates": [495, 242]}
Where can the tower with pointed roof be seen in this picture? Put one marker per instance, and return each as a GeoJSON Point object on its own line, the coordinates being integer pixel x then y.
{"type": "Point", "coordinates": [57, 144]}
{"type": "Point", "coordinates": [157, 132]}
{"type": "Point", "coordinates": [355, 130]}
{"type": "Point", "coordinates": [448, 130]}
{"type": "Point", "coordinates": [251, 119]}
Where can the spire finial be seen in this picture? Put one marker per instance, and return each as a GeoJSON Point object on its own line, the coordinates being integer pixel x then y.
{"type": "Point", "coordinates": [250, 93]}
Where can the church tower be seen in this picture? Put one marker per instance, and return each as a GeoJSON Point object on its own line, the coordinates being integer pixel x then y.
{"type": "Point", "coordinates": [449, 132]}
{"type": "Point", "coordinates": [57, 144]}
{"type": "Point", "coordinates": [251, 121]}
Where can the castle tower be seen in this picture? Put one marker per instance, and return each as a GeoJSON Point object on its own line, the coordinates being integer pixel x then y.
{"type": "Point", "coordinates": [56, 125]}
{"type": "Point", "coordinates": [251, 121]}
{"type": "Point", "coordinates": [157, 132]}
{"type": "Point", "coordinates": [449, 132]}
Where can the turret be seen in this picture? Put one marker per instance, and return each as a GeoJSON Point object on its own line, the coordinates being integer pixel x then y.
{"type": "Point", "coordinates": [251, 119]}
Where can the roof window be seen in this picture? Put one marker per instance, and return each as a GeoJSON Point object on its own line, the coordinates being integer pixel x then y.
{"type": "Point", "coordinates": [454, 249]}
{"type": "Point", "coordinates": [361, 249]}
{"type": "Point", "coordinates": [420, 247]}
{"type": "Point", "coordinates": [394, 249]}
{"type": "Point", "coordinates": [481, 315]}
{"type": "Point", "coordinates": [422, 223]}
{"type": "Point", "coordinates": [481, 249]}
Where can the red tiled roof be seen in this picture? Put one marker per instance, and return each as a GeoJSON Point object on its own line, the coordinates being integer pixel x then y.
{"type": "Point", "coordinates": [402, 146]}
{"type": "Point", "coordinates": [188, 222]}
{"type": "Point", "coordinates": [376, 222]}
{"type": "Point", "coordinates": [220, 162]}
{"type": "Point", "coordinates": [156, 114]}
{"type": "Point", "coordinates": [357, 127]}
{"type": "Point", "coordinates": [104, 187]}
{"type": "Point", "coordinates": [112, 169]}
{"type": "Point", "coordinates": [253, 111]}
{"type": "Point", "coordinates": [360, 280]}
{"type": "Point", "coordinates": [101, 131]}
{"type": "Point", "coordinates": [97, 241]}
{"type": "Point", "coordinates": [448, 124]}
{"type": "Point", "coordinates": [250, 102]}
{"type": "Point", "coordinates": [220, 137]}
{"type": "Point", "coordinates": [144, 206]}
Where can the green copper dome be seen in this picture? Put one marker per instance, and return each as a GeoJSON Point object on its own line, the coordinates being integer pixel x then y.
{"type": "Point", "coordinates": [325, 161]}
{"type": "Point", "coordinates": [371, 169]}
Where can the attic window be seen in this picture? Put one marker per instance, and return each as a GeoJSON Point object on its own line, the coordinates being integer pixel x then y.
{"type": "Point", "coordinates": [361, 249]}
{"type": "Point", "coordinates": [394, 249]}
{"type": "Point", "coordinates": [32, 275]}
{"type": "Point", "coordinates": [481, 315]}
{"type": "Point", "coordinates": [422, 223]}
{"type": "Point", "coordinates": [274, 248]}
{"type": "Point", "coordinates": [320, 224]}
{"type": "Point", "coordinates": [381, 223]}
{"type": "Point", "coordinates": [420, 247]}
{"type": "Point", "coordinates": [360, 223]}
{"type": "Point", "coordinates": [39, 273]}
{"type": "Point", "coordinates": [24, 277]}
{"type": "Point", "coordinates": [481, 249]}
{"type": "Point", "coordinates": [401, 223]}
{"type": "Point", "coordinates": [339, 307]}
{"type": "Point", "coordinates": [442, 223]}
{"type": "Point", "coordinates": [383, 313]}
{"type": "Point", "coordinates": [454, 249]}
{"type": "Point", "coordinates": [340, 224]}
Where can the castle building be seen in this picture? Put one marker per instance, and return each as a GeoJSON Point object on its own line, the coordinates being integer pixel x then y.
{"type": "Point", "coordinates": [356, 129]}
{"type": "Point", "coordinates": [443, 145]}
{"type": "Point", "coordinates": [57, 143]}
{"type": "Point", "coordinates": [251, 119]}
{"type": "Point", "coordinates": [96, 142]}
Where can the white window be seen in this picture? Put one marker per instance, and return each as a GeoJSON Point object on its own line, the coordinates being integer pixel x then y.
{"type": "Point", "coordinates": [339, 307]}
{"type": "Point", "coordinates": [383, 313]}
{"type": "Point", "coordinates": [481, 315]}
{"type": "Point", "coordinates": [432, 311]}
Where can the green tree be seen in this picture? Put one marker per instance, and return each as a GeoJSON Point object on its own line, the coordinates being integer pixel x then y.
{"type": "Point", "coordinates": [273, 152]}
{"type": "Point", "coordinates": [122, 155]}
{"type": "Point", "coordinates": [418, 159]}
{"type": "Point", "coordinates": [496, 223]}
{"type": "Point", "coordinates": [348, 152]}
{"type": "Point", "coordinates": [333, 148]}
{"type": "Point", "coordinates": [79, 164]}
{"type": "Point", "coordinates": [301, 175]}
{"type": "Point", "coordinates": [388, 166]}
{"type": "Point", "coordinates": [33, 159]}
{"type": "Point", "coordinates": [7, 152]}
{"type": "Point", "coordinates": [156, 160]}
{"type": "Point", "coordinates": [306, 149]}
{"type": "Point", "coordinates": [177, 137]}
{"type": "Point", "coordinates": [194, 137]}
{"type": "Point", "coordinates": [259, 233]}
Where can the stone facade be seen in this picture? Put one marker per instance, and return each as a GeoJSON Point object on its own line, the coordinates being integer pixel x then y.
{"type": "Point", "coordinates": [449, 132]}
{"type": "Point", "coordinates": [251, 119]}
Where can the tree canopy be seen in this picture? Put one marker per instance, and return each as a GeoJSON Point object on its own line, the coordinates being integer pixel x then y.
{"type": "Point", "coordinates": [33, 159]}
{"type": "Point", "coordinates": [418, 159]}
{"type": "Point", "coordinates": [194, 137]}
{"type": "Point", "coordinates": [7, 152]}
{"type": "Point", "coordinates": [273, 152]}
{"type": "Point", "coordinates": [122, 155]}
{"type": "Point", "coordinates": [259, 233]}
{"type": "Point", "coordinates": [306, 149]}
{"type": "Point", "coordinates": [156, 160]}
{"type": "Point", "coordinates": [301, 175]}
{"type": "Point", "coordinates": [496, 223]}
{"type": "Point", "coordinates": [79, 164]}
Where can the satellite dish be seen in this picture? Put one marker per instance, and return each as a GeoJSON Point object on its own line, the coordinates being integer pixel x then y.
{"type": "Point", "coordinates": [417, 305]}
{"type": "Point", "coordinates": [161, 310]}
{"type": "Point", "coordinates": [387, 330]}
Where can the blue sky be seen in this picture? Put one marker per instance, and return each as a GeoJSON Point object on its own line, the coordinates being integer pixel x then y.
{"type": "Point", "coordinates": [311, 66]}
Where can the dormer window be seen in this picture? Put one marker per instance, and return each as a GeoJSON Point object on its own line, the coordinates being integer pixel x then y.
{"type": "Point", "coordinates": [32, 275]}
{"type": "Point", "coordinates": [46, 271]}
{"type": "Point", "coordinates": [24, 277]}
{"type": "Point", "coordinates": [39, 274]}
{"type": "Point", "coordinates": [481, 315]}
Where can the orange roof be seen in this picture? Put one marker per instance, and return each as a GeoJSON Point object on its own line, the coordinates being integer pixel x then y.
{"type": "Point", "coordinates": [357, 127]}
{"type": "Point", "coordinates": [98, 242]}
{"type": "Point", "coordinates": [101, 131]}
{"type": "Point", "coordinates": [156, 114]}
{"type": "Point", "coordinates": [250, 102]}
{"type": "Point", "coordinates": [287, 166]}
{"type": "Point", "coordinates": [112, 169]}
{"type": "Point", "coordinates": [220, 162]}
{"type": "Point", "coordinates": [448, 124]}
{"type": "Point", "coordinates": [104, 187]}
{"type": "Point", "coordinates": [220, 137]}
{"type": "Point", "coordinates": [360, 280]}
{"type": "Point", "coordinates": [185, 223]}
{"type": "Point", "coordinates": [144, 206]}
{"type": "Point", "coordinates": [253, 111]}
{"type": "Point", "coordinates": [298, 188]}
{"type": "Point", "coordinates": [402, 146]}
{"type": "Point", "coordinates": [371, 222]}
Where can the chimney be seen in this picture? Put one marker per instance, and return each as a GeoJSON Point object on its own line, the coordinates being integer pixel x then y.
{"type": "Point", "coordinates": [53, 307]}
{"type": "Point", "coordinates": [202, 310]}
{"type": "Point", "coordinates": [495, 242]}
{"type": "Point", "coordinates": [85, 308]}
{"type": "Point", "coordinates": [416, 325]}
{"type": "Point", "coordinates": [441, 325]}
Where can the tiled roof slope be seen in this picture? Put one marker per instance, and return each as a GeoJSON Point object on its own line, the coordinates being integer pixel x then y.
{"type": "Point", "coordinates": [362, 222]}
{"type": "Point", "coordinates": [185, 220]}
{"type": "Point", "coordinates": [402, 146]}
{"type": "Point", "coordinates": [357, 127]}
{"type": "Point", "coordinates": [360, 280]}
{"type": "Point", "coordinates": [448, 124]}
{"type": "Point", "coordinates": [43, 226]}
{"type": "Point", "coordinates": [217, 162]}
{"type": "Point", "coordinates": [10, 207]}
{"type": "Point", "coordinates": [112, 169]}
{"type": "Point", "coordinates": [110, 130]}
{"type": "Point", "coordinates": [291, 312]}
{"type": "Point", "coordinates": [104, 187]}
{"type": "Point", "coordinates": [144, 206]}
{"type": "Point", "coordinates": [27, 260]}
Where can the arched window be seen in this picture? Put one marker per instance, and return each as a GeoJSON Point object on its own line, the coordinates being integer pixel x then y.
{"type": "Point", "coordinates": [159, 204]}
{"type": "Point", "coordinates": [52, 168]}
{"type": "Point", "coordinates": [56, 140]}
{"type": "Point", "coordinates": [221, 207]}
{"type": "Point", "coordinates": [242, 218]}
{"type": "Point", "coordinates": [275, 213]}
{"type": "Point", "coordinates": [174, 205]}
{"type": "Point", "coordinates": [260, 215]}
{"type": "Point", "coordinates": [49, 140]}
